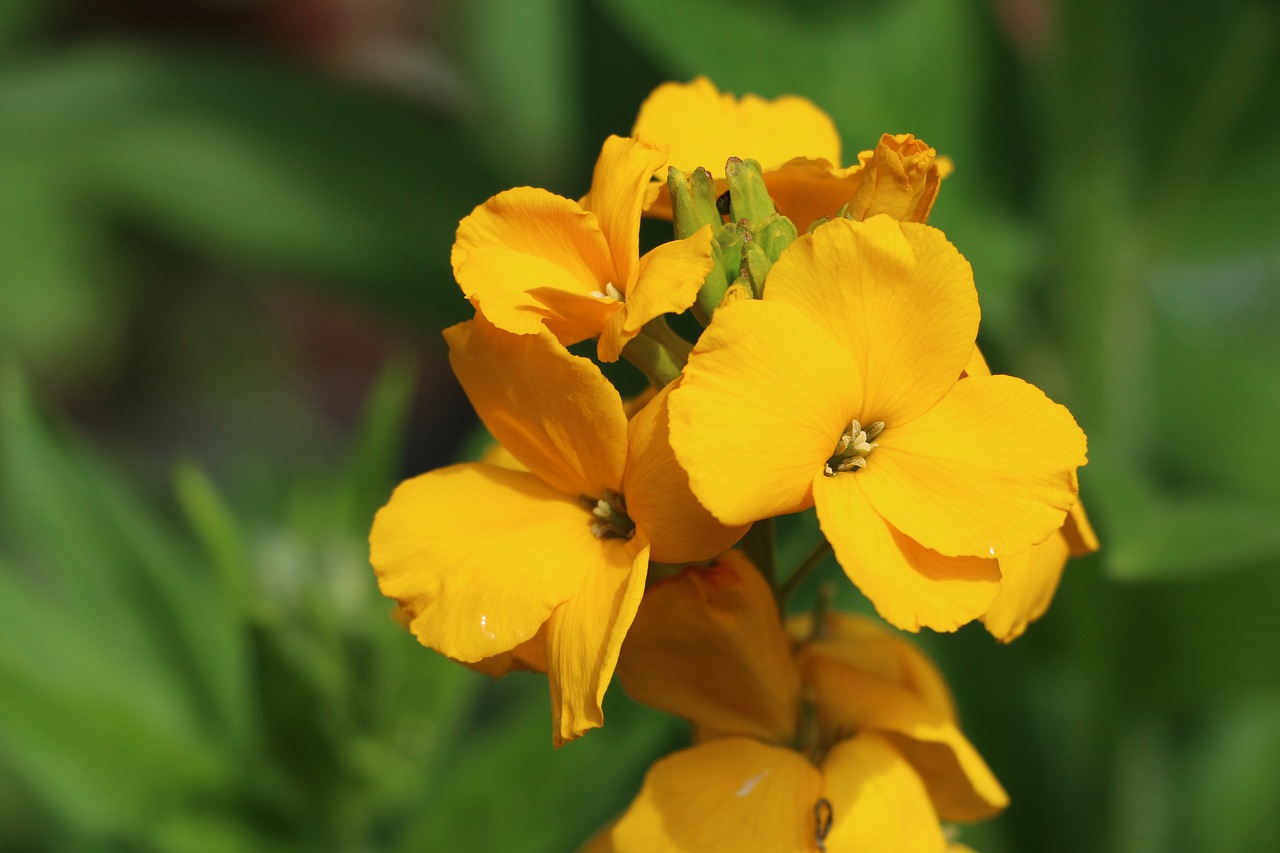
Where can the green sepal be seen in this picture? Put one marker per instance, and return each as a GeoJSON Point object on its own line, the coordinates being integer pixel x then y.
{"type": "Point", "coordinates": [693, 201]}
{"type": "Point", "coordinates": [748, 196]}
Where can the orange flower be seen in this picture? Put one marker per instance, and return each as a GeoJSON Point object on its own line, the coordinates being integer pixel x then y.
{"type": "Point", "coordinates": [527, 258]}
{"type": "Point", "coordinates": [541, 568]}
{"type": "Point", "coordinates": [844, 741]}
{"type": "Point", "coordinates": [841, 389]}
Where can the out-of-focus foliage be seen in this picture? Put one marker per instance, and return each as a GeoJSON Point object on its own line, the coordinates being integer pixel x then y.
{"type": "Point", "coordinates": [209, 666]}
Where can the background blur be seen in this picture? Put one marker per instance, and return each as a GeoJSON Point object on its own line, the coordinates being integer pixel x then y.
{"type": "Point", "coordinates": [224, 237]}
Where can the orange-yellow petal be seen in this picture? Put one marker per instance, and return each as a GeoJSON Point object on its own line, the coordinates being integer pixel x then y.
{"type": "Point", "coordinates": [900, 178]}
{"type": "Point", "coordinates": [759, 410]}
{"type": "Point", "coordinates": [554, 411]}
{"type": "Point", "coordinates": [897, 296]}
{"type": "Point", "coordinates": [529, 656]}
{"type": "Point", "coordinates": [724, 796]}
{"type": "Point", "coordinates": [959, 782]}
{"type": "Point", "coordinates": [617, 195]}
{"type": "Point", "coordinates": [910, 585]}
{"type": "Point", "coordinates": [988, 471]}
{"type": "Point", "coordinates": [804, 189]}
{"type": "Point", "coordinates": [877, 800]}
{"type": "Point", "coordinates": [524, 239]}
{"type": "Point", "coordinates": [705, 127]}
{"type": "Point", "coordinates": [479, 556]}
{"type": "Point", "coordinates": [584, 635]}
{"type": "Point", "coordinates": [1027, 583]}
{"type": "Point", "coordinates": [707, 645]}
{"type": "Point", "coordinates": [1079, 532]}
{"type": "Point", "coordinates": [668, 282]}
{"type": "Point", "coordinates": [658, 497]}
{"type": "Point", "coordinates": [868, 645]}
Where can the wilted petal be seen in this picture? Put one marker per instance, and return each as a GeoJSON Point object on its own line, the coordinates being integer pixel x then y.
{"type": "Point", "coordinates": [724, 796]}
{"type": "Point", "coordinates": [585, 634]}
{"type": "Point", "coordinates": [707, 645]}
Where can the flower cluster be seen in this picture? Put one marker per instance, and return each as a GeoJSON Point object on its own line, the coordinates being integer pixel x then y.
{"type": "Point", "coordinates": [836, 368]}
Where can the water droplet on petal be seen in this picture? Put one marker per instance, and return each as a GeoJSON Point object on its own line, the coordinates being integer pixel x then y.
{"type": "Point", "coordinates": [484, 628]}
{"type": "Point", "coordinates": [749, 785]}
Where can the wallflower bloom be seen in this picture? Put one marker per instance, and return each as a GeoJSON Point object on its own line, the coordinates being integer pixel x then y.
{"type": "Point", "coordinates": [841, 738]}
{"type": "Point", "coordinates": [541, 568]}
{"type": "Point", "coordinates": [528, 258]}
{"type": "Point", "coordinates": [841, 389]}
{"type": "Point", "coordinates": [799, 148]}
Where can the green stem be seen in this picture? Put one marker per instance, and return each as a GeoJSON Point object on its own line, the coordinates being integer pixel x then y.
{"type": "Point", "coordinates": [658, 352]}
{"type": "Point", "coordinates": [759, 547]}
{"type": "Point", "coordinates": [811, 562]}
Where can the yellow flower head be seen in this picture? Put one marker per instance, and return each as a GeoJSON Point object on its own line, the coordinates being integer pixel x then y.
{"type": "Point", "coordinates": [842, 388]}
{"type": "Point", "coordinates": [797, 145]}
{"type": "Point", "coordinates": [842, 738]}
{"type": "Point", "coordinates": [541, 568]}
{"type": "Point", "coordinates": [528, 258]}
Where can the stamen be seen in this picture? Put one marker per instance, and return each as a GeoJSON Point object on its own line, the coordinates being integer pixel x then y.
{"type": "Point", "coordinates": [609, 516]}
{"type": "Point", "coordinates": [610, 292]}
{"type": "Point", "coordinates": [854, 445]}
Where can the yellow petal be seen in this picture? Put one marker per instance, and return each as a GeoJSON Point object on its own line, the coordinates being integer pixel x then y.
{"type": "Point", "coordinates": [877, 800]}
{"type": "Point", "coordinates": [977, 365]}
{"type": "Point", "coordinates": [668, 282]}
{"type": "Point", "coordinates": [478, 556]}
{"type": "Point", "coordinates": [757, 413]}
{"type": "Point", "coordinates": [804, 189]}
{"type": "Point", "coordinates": [1027, 583]}
{"type": "Point", "coordinates": [724, 796]}
{"type": "Point", "coordinates": [897, 296]}
{"type": "Point", "coordinates": [706, 128]}
{"type": "Point", "coordinates": [529, 656]}
{"type": "Point", "coordinates": [960, 785]}
{"type": "Point", "coordinates": [1079, 532]}
{"type": "Point", "coordinates": [910, 586]}
{"type": "Point", "coordinates": [658, 497]}
{"type": "Point", "coordinates": [554, 411]}
{"type": "Point", "coordinates": [868, 645]}
{"type": "Point", "coordinates": [602, 841]}
{"type": "Point", "coordinates": [585, 634]}
{"type": "Point", "coordinates": [707, 645]}
{"type": "Point", "coordinates": [617, 195]}
{"type": "Point", "coordinates": [900, 179]}
{"type": "Point", "coordinates": [524, 239]}
{"type": "Point", "coordinates": [988, 471]}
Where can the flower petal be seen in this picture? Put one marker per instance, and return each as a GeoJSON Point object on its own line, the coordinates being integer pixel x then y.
{"type": "Point", "coordinates": [707, 645]}
{"type": "Point", "coordinates": [585, 634]}
{"type": "Point", "coordinates": [658, 497]}
{"type": "Point", "coordinates": [900, 178]}
{"type": "Point", "coordinates": [1079, 532]}
{"type": "Point", "coordinates": [523, 239]}
{"type": "Point", "coordinates": [529, 656]}
{"type": "Point", "coordinates": [757, 413]}
{"type": "Point", "coordinates": [705, 128]}
{"type": "Point", "coordinates": [867, 645]}
{"type": "Point", "coordinates": [897, 296]}
{"type": "Point", "coordinates": [555, 412]}
{"type": "Point", "coordinates": [478, 556]}
{"type": "Point", "coordinates": [959, 782]}
{"type": "Point", "coordinates": [804, 189]}
{"type": "Point", "coordinates": [989, 471]}
{"type": "Point", "coordinates": [877, 800]}
{"type": "Point", "coordinates": [617, 195]}
{"type": "Point", "coordinates": [668, 282]}
{"type": "Point", "coordinates": [910, 586]}
{"type": "Point", "coordinates": [1027, 583]}
{"type": "Point", "coordinates": [723, 796]}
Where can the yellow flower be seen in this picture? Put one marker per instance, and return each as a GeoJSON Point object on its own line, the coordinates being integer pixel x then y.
{"type": "Point", "coordinates": [797, 145]}
{"type": "Point", "coordinates": [1029, 579]}
{"type": "Point", "coordinates": [541, 568]}
{"type": "Point", "coordinates": [841, 389]}
{"type": "Point", "coordinates": [844, 741]}
{"type": "Point", "coordinates": [528, 258]}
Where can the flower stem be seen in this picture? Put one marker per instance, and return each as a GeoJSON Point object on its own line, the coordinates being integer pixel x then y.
{"type": "Point", "coordinates": [658, 352]}
{"type": "Point", "coordinates": [811, 562]}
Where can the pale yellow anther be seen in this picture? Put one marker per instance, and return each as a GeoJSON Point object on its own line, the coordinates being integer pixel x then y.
{"type": "Point", "coordinates": [609, 292]}
{"type": "Point", "coordinates": [852, 448]}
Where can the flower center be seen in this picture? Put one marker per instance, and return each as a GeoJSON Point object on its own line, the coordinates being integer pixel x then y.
{"type": "Point", "coordinates": [609, 292]}
{"type": "Point", "coordinates": [609, 519]}
{"type": "Point", "coordinates": [853, 448]}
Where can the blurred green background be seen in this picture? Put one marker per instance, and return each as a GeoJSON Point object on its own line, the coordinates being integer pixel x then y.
{"type": "Point", "coordinates": [224, 236]}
